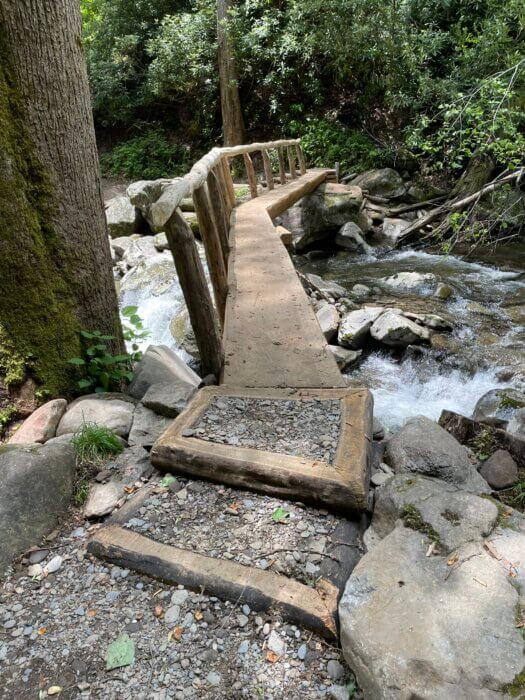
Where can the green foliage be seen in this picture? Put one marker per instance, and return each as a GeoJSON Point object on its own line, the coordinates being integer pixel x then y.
{"type": "Point", "coordinates": [12, 364]}
{"type": "Point", "coordinates": [326, 141]}
{"type": "Point", "coordinates": [515, 495]}
{"type": "Point", "coordinates": [102, 370]}
{"type": "Point", "coordinates": [412, 518]}
{"type": "Point", "coordinates": [93, 442]}
{"type": "Point", "coordinates": [6, 414]}
{"type": "Point", "coordinates": [148, 155]}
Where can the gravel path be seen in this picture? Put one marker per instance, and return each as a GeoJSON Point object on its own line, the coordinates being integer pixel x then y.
{"type": "Point", "coordinates": [307, 428]}
{"type": "Point", "coordinates": [246, 527]}
{"type": "Point", "coordinates": [56, 631]}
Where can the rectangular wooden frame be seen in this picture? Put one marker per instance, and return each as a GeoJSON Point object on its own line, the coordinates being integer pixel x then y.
{"type": "Point", "coordinates": [343, 486]}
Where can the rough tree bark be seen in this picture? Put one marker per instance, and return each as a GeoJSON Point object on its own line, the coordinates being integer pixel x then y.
{"type": "Point", "coordinates": [55, 263]}
{"type": "Point", "coordinates": [232, 120]}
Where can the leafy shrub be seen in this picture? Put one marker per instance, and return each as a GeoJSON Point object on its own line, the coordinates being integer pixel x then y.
{"type": "Point", "coordinates": [148, 156]}
{"type": "Point", "coordinates": [326, 141]}
{"type": "Point", "coordinates": [102, 370]}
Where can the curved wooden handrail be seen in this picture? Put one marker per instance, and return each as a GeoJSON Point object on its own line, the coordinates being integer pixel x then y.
{"type": "Point", "coordinates": [184, 187]}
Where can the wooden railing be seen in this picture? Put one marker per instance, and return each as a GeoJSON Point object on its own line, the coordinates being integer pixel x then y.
{"type": "Point", "coordinates": [210, 184]}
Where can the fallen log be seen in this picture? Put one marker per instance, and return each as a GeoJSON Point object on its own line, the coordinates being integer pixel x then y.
{"type": "Point", "coordinates": [457, 205]}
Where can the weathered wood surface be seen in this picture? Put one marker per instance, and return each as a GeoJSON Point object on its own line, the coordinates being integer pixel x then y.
{"type": "Point", "coordinates": [175, 193]}
{"type": "Point", "coordinates": [302, 161]}
{"type": "Point", "coordinates": [250, 174]}
{"type": "Point", "coordinates": [225, 164]}
{"type": "Point", "coordinates": [282, 166]}
{"type": "Point", "coordinates": [271, 334]}
{"type": "Point", "coordinates": [342, 485]}
{"type": "Point", "coordinates": [291, 162]}
{"type": "Point", "coordinates": [212, 246]}
{"type": "Point", "coordinates": [261, 590]}
{"type": "Point", "coordinates": [220, 214]}
{"type": "Point", "coordinates": [192, 280]}
{"type": "Point", "coordinates": [268, 174]}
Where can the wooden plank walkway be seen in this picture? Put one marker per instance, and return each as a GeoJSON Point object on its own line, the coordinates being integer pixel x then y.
{"type": "Point", "coordinates": [271, 335]}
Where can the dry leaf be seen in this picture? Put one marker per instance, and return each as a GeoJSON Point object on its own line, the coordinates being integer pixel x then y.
{"type": "Point", "coordinates": [42, 630]}
{"type": "Point", "coordinates": [91, 612]}
{"type": "Point", "coordinates": [176, 633]}
{"type": "Point", "coordinates": [521, 623]}
{"type": "Point", "coordinates": [453, 559]}
{"type": "Point", "coordinates": [271, 656]}
{"type": "Point", "coordinates": [234, 506]}
{"type": "Point", "coordinates": [54, 690]}
{"type": "Point", "coordinates": [130, 489]}
{"type": "Point", "coordinates": [198, 615]}
{"type": "Point", "coordinates": [159, 610]}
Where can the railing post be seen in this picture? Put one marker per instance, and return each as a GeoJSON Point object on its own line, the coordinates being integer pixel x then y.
{"type": "Point", "coordinates": [192, 280]}
{"type": "Point", "coordinates": [250, 172]}
{"type": "Point", "coordinates": [219, 214]}
{"type": "Point", "coordinates": [267, 169]}
{"type": "Point", "coordinates": [212, 245]}
{"type": "Point", "coordinates": [225, 163]}
{"type": "Point", "coordinates": [219, 173]}
{"type": "Point", "coordinates": [302, 162]}
{"type": "Point", "coordinates": [282, 166]}
{"type": "Point", "coordinates": [291, 162]}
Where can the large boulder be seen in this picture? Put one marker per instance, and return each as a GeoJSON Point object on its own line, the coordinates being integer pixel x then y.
{"type": "Point", "coordinates": [409, 281]}
{"type": "Point", "coordinates": [328, 318]}
{"type": "Point", "coordinates": [324, 211]}
{"type": "Point", "coordinates": [500, 471]}
{"type": "Point", "coordinates": [383, 182]}
{"type": "Point", "coordinates": [393, 228]}
{"type": "Point", "coordinates": [41, 425]}
{"type": "Point", "coordinates": [37, 486]}
{"type": "Point", "coordinates": [122, 217]}
{"type": "Point", "coordinates": [110, 410]}
{"type": "Point", "coordinates": [140, 249]}
{"type": "Point", "coordinates": [121, 244]}
{"type": "Point", "coordinates": [414, 626]}
{"type": "Point", "coordinates": [161, 366]}
{"type": "Point", "coordinates": [424, 447]}
{"type": "Point", "coordinates": [147, 427]}
{"type": "Point", "coordinates": [499, 406]}
{"type": "Point", "coordinates": [350, 237]}
{"type": "Point", "coordinates": [325, 286]}
{"type": "Point", "coordinates": [344, 357]}
{"type": "Point", "coordinates": [355, 326]}
{"type": "Point", "coordinates": [154, 276]}
{"type": "Point", "coordinates": [397, 331]}
{"type": "Point", "coordinates": [448, 515]}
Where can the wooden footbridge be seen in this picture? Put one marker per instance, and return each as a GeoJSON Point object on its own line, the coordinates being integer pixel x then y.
{"type": "Point", "coordinates": [260, 337]}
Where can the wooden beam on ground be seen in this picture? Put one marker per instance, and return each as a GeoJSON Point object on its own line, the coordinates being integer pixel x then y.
{"type": "Point", "coordinates": [212, 245]}
{"type": "Point", "coordinates": [220, 216]}
{"type": "Point", "coordinates": [192, 280]}
{"type": "Point", "coordinates": [261, 590]}
{"type": "Point", "coordinates": [300, 156]}
{"type": "Point", "coordinates": [225, 163]}
{"type": "Point", "coordinates": [291, 162]}
{"type": "Point", "coordinates": [250, 173]}
{"type": "Point", "coordinates": [285, 236]}
{"type": "Point", "coordinates": [282, 166]}
{"type": "Point", "coordinates": [267, 169]}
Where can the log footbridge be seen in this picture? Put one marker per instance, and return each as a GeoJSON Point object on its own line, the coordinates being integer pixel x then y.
{"type": "Point", "coordinates": [259, 336]}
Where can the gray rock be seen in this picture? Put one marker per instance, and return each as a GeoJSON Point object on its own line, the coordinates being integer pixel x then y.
{"type": "Point", "coordinates": [424, 447]}
{"type": "Point", "coordinates": [403, 626]}
{"type": "Point", "coordinates": [172, 615]}
{"type": "Point", "coordinates": [430, 320]}
{"type": "Point", "coordinates": [360, 291]}
{"type": "Point", "coordinates": [378, 429]}
{"type": "Point", "coordinates": [498, 406]}
{"type": "Point", "coordinates": [430, 505]}
{"type": "Point", "coordinates": [41, 425]}
{"type": "Point", "coordinates": [379, 478]}
{"type": "Point", "coordinates": [383, 182]}
{"type": "Point", "coordinates": [336, 670]}
{"type": "Point", "coordinates": [183, 334]}
{"type": "Point", "coordinates": [147, 427]}
{"type": "Point", "coordinates": [154, 276]}
{"type": "Point", "coordinates": [161, 242]}
{"type": "Point", "coordinates": [276, 643]}
{"type": "Point", "coordinates": [179, 597]}
{"type": "Point", "coordinates": [139, 250]}
{"type": "Point", "coordinates": [102, 499]}
{"type": "Point", "coordinates": [53, 565]}
{"type": "Point", "coordinates": [393, 228]}
{"type": "Point", "coordinates": [351, 238]}
{"type": "Point", "coordinates": [344, 357]}
{"type": "Point", "coordinates": [338, 692]}
{"type": "Point", "coordinates": [397, 331]}
{"type": "Point", "coordinates": [355, 326]}
{"type": "Point", "coordinates": [121, 244]}
{"type": "Point", "coordinates": [516, 425]}
{"type": "Point", "coordinates": [328, 318]}
{"type": "Point", "coordinates": [409, 281]}
{"type": "Point", "coordinates": [213, 678]}
{"type": "Point", "coordinates": [38, 556]}
{"type": "Point", "coordinates": [500, 470]}
{"type": "Point", "coordinates": [301, 652]}
{"type": "Point", "coordinates": [160, 365]}
{"type": "Point", "coordinates": [131, 464]}
{"type": "Point", "coordinates": [122, 217]}
{"type": "Point", "coordinates": [324, 211]}
{"type": "Point", "coordinates": [168, 399]}
{"type": "Point", "coordinates": [111, 410]}
{"type": "Point", "coordinates": [443, 291]}
{"type": "Point", "coordinates": [37, 486]}
{"type": "Point", "coordinates": [326, 286]}
{"type": "Point", "coordinates": [243, 647]}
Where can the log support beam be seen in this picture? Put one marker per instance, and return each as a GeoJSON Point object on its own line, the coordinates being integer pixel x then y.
{"type": "Point", "coordinates": [250, 173]}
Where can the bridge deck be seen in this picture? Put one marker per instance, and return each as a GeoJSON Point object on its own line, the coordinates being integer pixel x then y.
{"type": "Point", "coordinates": [271, 335]}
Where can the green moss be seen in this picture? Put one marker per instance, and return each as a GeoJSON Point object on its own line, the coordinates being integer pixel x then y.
{"type": "Point", "coordinates": [413, 519]}
{"type": "Point", "coordinates": [516, 689]}
{"type": "Point", "coordinates": [37, 310]}
{"type": "Point", "coordinates": [451, 517]}
{"type": "Point", "coordinates": [506, 401]}
{"type": "Point", "coordinates": [406, 485]}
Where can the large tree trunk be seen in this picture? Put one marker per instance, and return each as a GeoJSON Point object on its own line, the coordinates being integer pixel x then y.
{"type": "Point", "coordinates": [232, 121]}
{"type": "Point", "coordinates": [55, 262]}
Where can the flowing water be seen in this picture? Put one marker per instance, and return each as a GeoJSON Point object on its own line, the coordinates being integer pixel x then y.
{"type": "Point", "coordinates": [488, 335]}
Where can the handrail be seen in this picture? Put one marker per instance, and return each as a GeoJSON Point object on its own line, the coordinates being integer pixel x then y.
{"type": "Point", "coordinates": [184, 187]}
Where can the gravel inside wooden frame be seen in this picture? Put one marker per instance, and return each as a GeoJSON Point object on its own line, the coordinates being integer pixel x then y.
{"type": "Point", "coordinates": [342, 484]}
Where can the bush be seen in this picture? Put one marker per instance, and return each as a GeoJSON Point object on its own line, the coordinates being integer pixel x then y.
{"type": "Point", "coordinates": [326, 141]}
{"type": "Point", "coordinates": [147, 156]}
{"type": "Point", "coordinates": [93, 442]}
